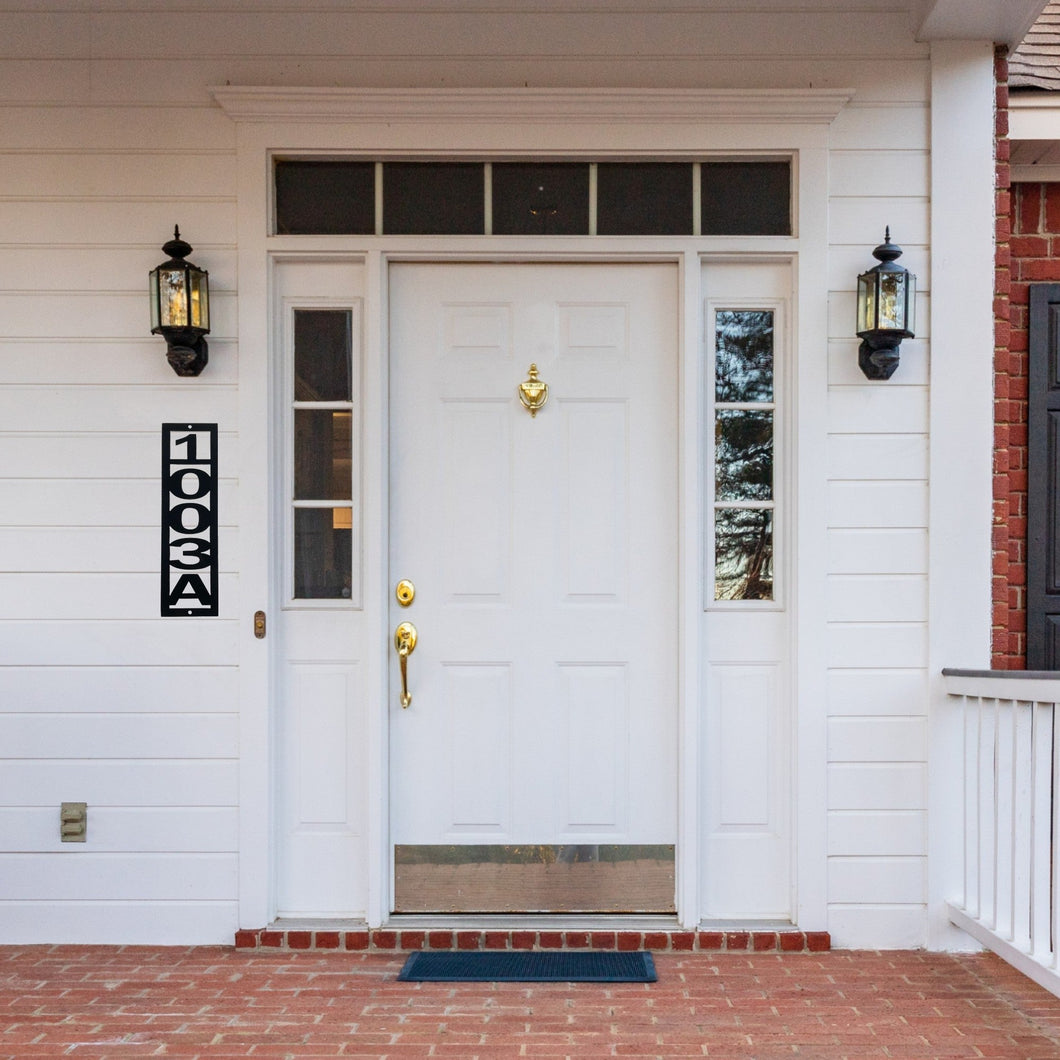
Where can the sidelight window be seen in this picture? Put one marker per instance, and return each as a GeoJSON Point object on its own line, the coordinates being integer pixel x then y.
{"type": "Point", "coordinates": [744, 503]}
{"type": "Point", "coordinates": [322, 449]}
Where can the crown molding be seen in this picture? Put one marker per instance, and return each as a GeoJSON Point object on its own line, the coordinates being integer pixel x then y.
{"type": "Point", "coordinates": [529, 106]}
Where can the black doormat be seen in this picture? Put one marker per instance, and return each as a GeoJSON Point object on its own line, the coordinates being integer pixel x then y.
{"type": "Point", "coordinates": [531, 966]}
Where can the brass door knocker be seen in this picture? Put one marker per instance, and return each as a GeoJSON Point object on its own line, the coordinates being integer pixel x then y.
{"type": "Point", "coordinates": [532, 392]}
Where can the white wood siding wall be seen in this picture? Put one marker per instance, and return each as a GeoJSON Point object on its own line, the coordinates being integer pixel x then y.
{"type": "Point", "coordinates": [105, 142]}
{"type": "Point", "coordinates": [878, 532]}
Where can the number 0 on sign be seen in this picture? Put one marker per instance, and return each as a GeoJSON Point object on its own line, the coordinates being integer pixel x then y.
{"type": "Point", "coordinates": [189, 519]}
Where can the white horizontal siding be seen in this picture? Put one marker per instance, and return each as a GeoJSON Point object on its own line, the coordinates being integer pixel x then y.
{"type": "Point", "coordinates": [93, 502]}
{"type": "Point", "coordinates": [113, 688]}
{"type": "Point", "coordinates": [80, 454]}
{"type": "Point", "coordinates": [119, 735]}
{"type": "Point", "coordinates": [118, 876]}
{"type": "Point", "coordinates": [119, 595]}
{"type": "Point", "coordinates": [879, 834]}
{"type": "Point", "coordinates": [107, 144]}
{"type": "Point", "coordinates": [843, 367]}
{"type": "Point", "coordinates": [117, 782]}
{"type": "Point", "coordinates": [877, 598]}
{"type": "Point", "coordinates": [107, 642]}
{"type": "Point", "coordinates": [93, 549]}
{"type": "Point", "coordinates": [117, 829]}
{"type": "Point", "coordinates": [118, 922]}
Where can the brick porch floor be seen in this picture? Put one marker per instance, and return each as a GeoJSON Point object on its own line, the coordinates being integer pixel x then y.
{"type": "Point", "coordinates": [93, 1002]}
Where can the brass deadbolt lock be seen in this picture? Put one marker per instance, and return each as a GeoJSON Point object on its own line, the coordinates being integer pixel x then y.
{"type": "Point", "coordinates": [405, 592]}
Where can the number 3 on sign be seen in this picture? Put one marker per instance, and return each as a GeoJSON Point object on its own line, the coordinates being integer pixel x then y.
{"type": "Point", "coordinates": [189, 519]}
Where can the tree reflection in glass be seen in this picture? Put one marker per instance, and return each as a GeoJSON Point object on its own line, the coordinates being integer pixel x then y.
{"type": "Point", "coordinates": [743, 365]}
{"type": "Point", "coordinates": [743, 560]}
{"type": "Point", "coordinates": [744, 454]}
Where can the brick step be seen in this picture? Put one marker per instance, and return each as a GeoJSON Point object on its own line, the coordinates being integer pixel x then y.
{"type": "Point", "coordinates": [390, 940]}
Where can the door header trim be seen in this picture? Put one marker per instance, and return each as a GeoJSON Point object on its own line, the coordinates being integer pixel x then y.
{"type": "Point", "coordinates": [531, 106]}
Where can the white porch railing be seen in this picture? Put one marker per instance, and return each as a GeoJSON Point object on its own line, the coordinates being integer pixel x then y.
{"type": "Point", "coordinates": [1011, 901]}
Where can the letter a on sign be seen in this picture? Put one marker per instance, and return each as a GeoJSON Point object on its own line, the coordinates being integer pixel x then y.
{"type": "Point", "coordinates": [189, 519]}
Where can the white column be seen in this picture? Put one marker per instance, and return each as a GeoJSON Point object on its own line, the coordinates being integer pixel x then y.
{"type": "Point", "coordinates": [961, 423]}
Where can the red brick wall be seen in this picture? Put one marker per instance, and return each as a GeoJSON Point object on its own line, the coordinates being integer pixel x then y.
{"type": "Point", "coordinates": [1028, 251]}
{"type": "Point", "coordinates": [1008, 619]}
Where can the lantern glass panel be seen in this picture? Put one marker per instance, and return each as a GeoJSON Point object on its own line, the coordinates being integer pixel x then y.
{"type": "Point", "coordinates": [199, 299]}
{"type": "Point", "coordinates": [153, 282]}
{"type": "Point", "coordinates": [866, 302]}
{"type": "Point", "coordinates": [173, 299]}
{"type": "Point", "coordinates": [892, 301]}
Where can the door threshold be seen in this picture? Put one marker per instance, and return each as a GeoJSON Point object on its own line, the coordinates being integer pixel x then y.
{"type": "Point", "coordinates": [534, 921]}
{"type": "Point", "coordinates": [659, 934]}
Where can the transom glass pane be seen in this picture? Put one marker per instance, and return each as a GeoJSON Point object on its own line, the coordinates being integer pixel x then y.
{"type": "Point", "coordinates": [540, 199]}
{"type": "Point", "coordinates": [644, 198]}
{"type": "Point", "coordinates": [746, 198]}
{"type": "Point", "coordinates": [325, 198]}
{"type": "Point", "coordinates": [434, 198]}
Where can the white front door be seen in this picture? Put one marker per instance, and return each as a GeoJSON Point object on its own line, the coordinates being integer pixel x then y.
{"type": "Point", "coordinates": [535, 765]}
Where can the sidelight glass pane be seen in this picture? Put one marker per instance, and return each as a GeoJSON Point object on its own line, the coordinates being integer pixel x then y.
{"type": "Point", "coordinates": [434, 198]}
{"type": "Point", "coordinates": [743, 455]}
{"type": "Point", "coordinates": [323, 553]}
{"type": "Point", "coordinates": [743, 554]}
{"type": "Point", "coordinates": [743, 366]}
{"type": "Point", "coordinates": [644, 198]}
{"type": "Point", "coordinates": [323, 352]}
{"type": "Point", "coordinates": [540, 199]}
{"type": "Point", "coordinates": [746, 198]}
{"type": "Point", "coordinates": [325, 198]}
{"type": "Point", "coordinates": [322, 455]}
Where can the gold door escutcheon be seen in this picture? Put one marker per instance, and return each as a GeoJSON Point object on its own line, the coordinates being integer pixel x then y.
{"type": "Point", "coordinates": [533, 393]}
{"type": "Point", "coordinates": [405, 592]}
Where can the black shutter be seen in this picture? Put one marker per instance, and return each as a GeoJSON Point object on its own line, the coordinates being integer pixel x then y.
{"type": "Point", "coordinates": [1043, 479]}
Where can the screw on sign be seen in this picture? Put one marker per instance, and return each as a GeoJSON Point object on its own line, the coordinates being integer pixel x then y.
{"type": "Point", "coordinates": [189, 519]}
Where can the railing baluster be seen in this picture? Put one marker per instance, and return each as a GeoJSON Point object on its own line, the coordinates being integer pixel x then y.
{"type": "Point", "coordinates": [1022, 766]}
{"type": "Point", "coordinates": [1010, 869]}
{"type": "Point", "coordinates": [1041, 801]}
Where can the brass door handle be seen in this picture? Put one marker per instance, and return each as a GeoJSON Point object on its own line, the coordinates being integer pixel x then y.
{"type": "Point", "coordinates": [405, 641]}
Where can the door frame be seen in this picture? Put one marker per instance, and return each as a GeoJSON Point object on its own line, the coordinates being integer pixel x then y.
{"type": "Point", "coordinates": [646, 124]}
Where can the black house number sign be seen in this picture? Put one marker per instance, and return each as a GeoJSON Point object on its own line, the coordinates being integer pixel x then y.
{"type": "Point", "coordinates": [189, 519]}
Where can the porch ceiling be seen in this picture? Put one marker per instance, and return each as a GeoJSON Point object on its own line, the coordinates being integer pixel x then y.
{"type": "Point", "coordinates": [1002, 21]}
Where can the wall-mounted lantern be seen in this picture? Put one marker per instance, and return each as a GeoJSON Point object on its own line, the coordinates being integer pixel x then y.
{"type": "Point", "coordinates": [180, 307]}
{"type": "Point", "coordinates": [886, 310]}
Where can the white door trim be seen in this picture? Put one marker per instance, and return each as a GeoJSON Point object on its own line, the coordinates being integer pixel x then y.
{"type": "Point", "coordinates": [626, 124]}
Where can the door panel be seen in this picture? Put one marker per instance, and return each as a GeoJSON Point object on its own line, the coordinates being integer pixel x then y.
{"type": "Point", "coordinates": [543, 549]}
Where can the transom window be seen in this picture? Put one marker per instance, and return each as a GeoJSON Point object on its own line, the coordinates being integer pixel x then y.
{"type": "Point", "coordinates": [326, 197]}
